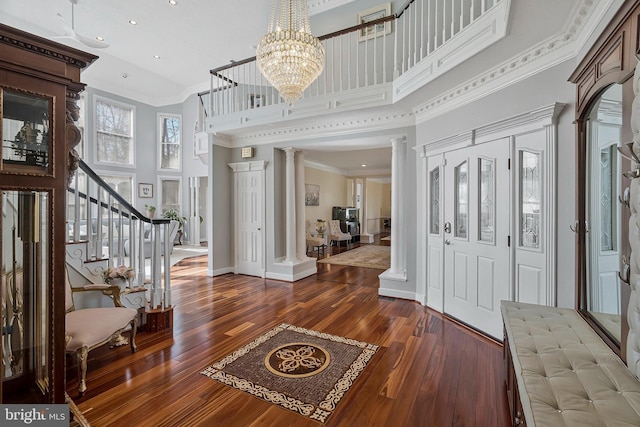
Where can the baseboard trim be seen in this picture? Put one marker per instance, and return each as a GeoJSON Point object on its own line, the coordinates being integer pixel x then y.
{"type": "Point", "coordinates": [394, 293]}
{"type": "Point", "coordinates": [219, 271]}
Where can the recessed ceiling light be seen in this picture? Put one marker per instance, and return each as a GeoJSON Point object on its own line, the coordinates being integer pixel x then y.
{"type": "Point", "coordinates": [173, 2]}
{"type": "Point", "coordinates": [133, 22]}
{"type": "Point", "coordinates": [125, 75]}
{"type": "Point", "coordinates": [363, 165]}
{"type": "Point", "coordinates": [100, 39]}
{"type": "Point", "coordinates": [156, 56]}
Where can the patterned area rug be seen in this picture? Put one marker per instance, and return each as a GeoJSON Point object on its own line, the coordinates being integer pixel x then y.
{"type": "Point", "coordinates": [302, 370]}
{"type": "Point", "coordinates": [363, 256]}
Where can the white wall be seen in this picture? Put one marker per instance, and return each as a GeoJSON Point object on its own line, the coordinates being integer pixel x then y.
{"type": "Point", "coordinates": [333, 192]}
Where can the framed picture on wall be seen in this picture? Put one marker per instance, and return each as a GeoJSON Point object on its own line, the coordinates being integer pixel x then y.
{"type": "Point", "coordinates": [256, 101]}
{"type": "Point", "coordinates": [371, 15]}
{"type": "Point", "coordinates": [311, 195]}
{"type": "Point", "coordinates": [145, 191]}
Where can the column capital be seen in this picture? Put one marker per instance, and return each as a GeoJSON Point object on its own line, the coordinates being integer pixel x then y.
{"type": "Point", "coordinates": [398, 140]}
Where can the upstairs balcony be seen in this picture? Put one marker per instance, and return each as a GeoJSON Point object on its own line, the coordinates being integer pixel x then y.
{"type": "Point", "coordinates": [376, 63]}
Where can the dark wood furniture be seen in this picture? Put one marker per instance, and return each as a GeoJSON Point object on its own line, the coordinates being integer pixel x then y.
{"type": "Point", "coordinates": [39, 86]}
{"type": "Point", "coordinates": [611, 60]}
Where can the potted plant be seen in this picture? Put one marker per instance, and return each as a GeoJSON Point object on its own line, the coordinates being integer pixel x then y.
{"type": "Point", "coordinates": [151, 210]}
{"type": "Point", "coordinates": [175, 215]}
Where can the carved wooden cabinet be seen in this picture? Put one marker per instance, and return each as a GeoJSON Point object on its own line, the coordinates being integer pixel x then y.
{"type": "Point", "coordinates": [39, 85]}
{"type": "Point", "coordinates": [604, 96]}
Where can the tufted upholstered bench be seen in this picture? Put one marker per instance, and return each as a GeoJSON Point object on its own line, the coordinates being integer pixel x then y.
{"type": "Point", "coordinates": [560, 373]}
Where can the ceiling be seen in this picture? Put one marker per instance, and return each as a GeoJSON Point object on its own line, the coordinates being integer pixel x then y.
{"type": "Point", "coordinates": [190, 38]}
{"type": "Point", "coordinates": [194, 36]}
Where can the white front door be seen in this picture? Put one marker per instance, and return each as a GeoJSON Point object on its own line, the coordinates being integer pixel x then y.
{"type": "Point", "coordinates": [476, 234]}
{"type": "Point", "coordinates": [249, 227]}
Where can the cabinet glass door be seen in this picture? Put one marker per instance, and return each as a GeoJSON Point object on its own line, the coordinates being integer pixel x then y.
{"type": "Point", "coordinates": [25, 293]}
{"type": "Point", "coordinates": [26, 140]}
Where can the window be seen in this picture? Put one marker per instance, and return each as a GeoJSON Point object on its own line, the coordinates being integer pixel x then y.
{"type": "Point", "coordinates": [434, 221]}
{"type": "Point", "coordinates": [530, 199]}
{"type": "Point", "coordinates": [170, 139]}
{"type": "Point", "coordinates": [486, 200]}
{"type": "Point", "coordinates": [462, 202]}
{"type": "Point", "coordinates": [114, 132]}
{"type": "Point", "coordinates": [170, 189]}
{"type": "Point", "coordinates": [122, 184]}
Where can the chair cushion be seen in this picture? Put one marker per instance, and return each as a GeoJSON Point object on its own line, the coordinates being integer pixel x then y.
{"type": "Point", "coordinates": [94, 326]}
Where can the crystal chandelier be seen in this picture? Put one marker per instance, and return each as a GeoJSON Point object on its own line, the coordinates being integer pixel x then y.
{"type": "Point", "coordinates": [289, 56]}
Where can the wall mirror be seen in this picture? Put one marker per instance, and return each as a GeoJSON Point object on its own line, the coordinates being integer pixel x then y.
{"type": "Point", "coordinates": [604, 239]}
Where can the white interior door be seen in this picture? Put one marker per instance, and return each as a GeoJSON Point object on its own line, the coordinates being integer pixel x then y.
{"type": "Point", "coordinates": [476, 234]}
{"type": "Point", "coordinates": [203, 190]}
{"type": "Point", "coordinates": [249, 191]}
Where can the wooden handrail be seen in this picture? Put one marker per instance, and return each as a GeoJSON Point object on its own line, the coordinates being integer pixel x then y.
{"type": "Point", "coordinates": [354, 28]}
{"type": "Point", "coordinates": [115, 210]}
{"type": "Point", "coordinates": [90, 173]}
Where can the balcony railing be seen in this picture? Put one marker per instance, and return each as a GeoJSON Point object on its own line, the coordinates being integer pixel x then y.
{"type": "Point", "coordinates": [362, 56]}
{"type": "Point", "coordinates": [116, 231]}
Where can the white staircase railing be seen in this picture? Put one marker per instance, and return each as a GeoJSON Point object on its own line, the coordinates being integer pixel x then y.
{"type": "Point", "coordinates": [361, 56]}
{"type": "Point", "coordinates": [116, 231]}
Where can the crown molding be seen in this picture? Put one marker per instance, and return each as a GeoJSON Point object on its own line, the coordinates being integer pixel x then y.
{"type": "Point", "coordinates": [324, 168]}
{"type": "Point", "coordinates": [223, 141]}
{"type": "Point", "coordinates": [526, 122]}
{"type": "Point", "coordinates": [327, 128]}
{"type": "Point", "coordinates": [366, 173]}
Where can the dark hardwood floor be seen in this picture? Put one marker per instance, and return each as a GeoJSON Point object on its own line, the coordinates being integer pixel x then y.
{"type": "Point", "coordinates": [429, 370]}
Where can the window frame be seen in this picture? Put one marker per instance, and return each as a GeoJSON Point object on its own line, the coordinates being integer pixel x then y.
{"type": "Point", "coordinates": [132, 145]}
{"type": "Point", "coordinates": [112, 173]}
{"type": "Point", "coordinates": [159, 142]}
{"type": "Point", "coordinates": [160, 192]}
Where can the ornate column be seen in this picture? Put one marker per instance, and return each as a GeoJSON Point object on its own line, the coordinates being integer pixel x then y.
{"type": "Point", "coordinates": [398, 262]}
{"type": "Point", "coordinates": [365, 237]}
{"type": "Point", "coordinates": [363, 201]}
{"type": "Point", "coordinates": [290, 206]}
{"type": "Point", "coordinates": [301, 223]}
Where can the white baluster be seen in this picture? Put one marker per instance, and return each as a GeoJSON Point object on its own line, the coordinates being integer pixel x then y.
{"type": "Point", "coordinates": [340, 62]}
{"type": "Point", "coordinates": [142, 273]}
{"type": "Point", "coordinates": [396, 71]}
{"type": "Point", "coordinates": [472, 11]}
{"type": "Point", "coordinates": [98, 239]}
{"type": "Point", "coordinates": [416, 36]}
{"type": "Point", "coordinates": [349, 44]}
{"type": "Point", "coordinates": [375, 54]}
{"type": "Point", "coordinates": [110, 228]}
{"type": "Point", "coordinates": [427, 26]}
{"type": "Point", "coordinates": [444, 22]}
{"type": "Point", "coordinates": [358, 61]}
{"type": "Point", "coordinates": [167, 268]}
{"type": "Point", "coordinates": [324, 42]}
